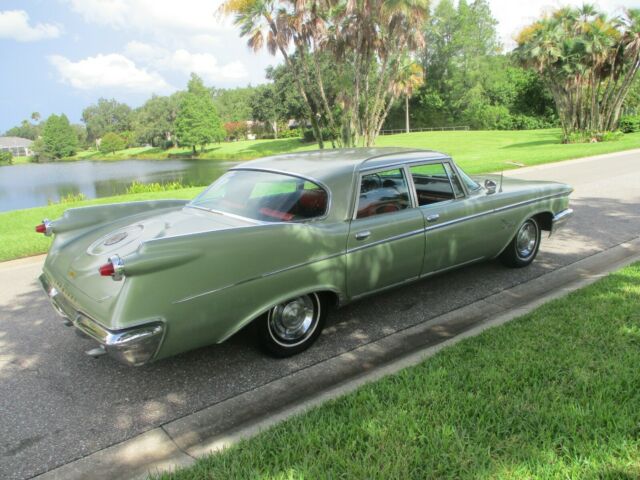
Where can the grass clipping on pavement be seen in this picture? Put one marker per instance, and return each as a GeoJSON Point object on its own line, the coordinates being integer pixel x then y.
{"type": "Point", "coordinates": [554, 394]}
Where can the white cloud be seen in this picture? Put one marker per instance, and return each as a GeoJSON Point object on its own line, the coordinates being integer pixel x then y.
{"type": "Point", "coordinates": [112, 71]}
{"type": "Point", "coordinates": [188, 16]}
{"type": "Point", "coordinates": [144, 52]}
{"type": "Point", "coordinates": [204, 64]}
{"type": "Point", "coordinates": [14, 24]}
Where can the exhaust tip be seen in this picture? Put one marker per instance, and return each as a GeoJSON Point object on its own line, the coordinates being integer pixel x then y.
{"type": "Point", "coordinates": [96, 352]}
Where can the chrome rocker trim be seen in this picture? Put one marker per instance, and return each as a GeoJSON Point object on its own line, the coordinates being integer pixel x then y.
{"type": "Point", "coordinates": [133, 346]}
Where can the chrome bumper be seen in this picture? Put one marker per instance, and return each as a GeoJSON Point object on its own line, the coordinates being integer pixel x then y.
{"type": "Point", "coordinates": [133, 346]}
{"type": "Point", "coordinates": [559, 219]}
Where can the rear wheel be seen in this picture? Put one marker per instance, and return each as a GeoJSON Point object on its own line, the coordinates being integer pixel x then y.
{"type": "Point", "coordinates": [292, 326]}
{"type": "Point", "coordinates": [522, 250]}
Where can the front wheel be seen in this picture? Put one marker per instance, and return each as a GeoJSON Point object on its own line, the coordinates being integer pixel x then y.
{"type": "Point", "coordinates": [292, 326]}
{"type": "Point", "coordinates": [522, 250]}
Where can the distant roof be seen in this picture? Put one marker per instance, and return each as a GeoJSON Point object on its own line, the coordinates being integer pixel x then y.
{"type": "Point", "coordinates": [13, 142]}
{"type": "Point", "coordinates": [322, 164]}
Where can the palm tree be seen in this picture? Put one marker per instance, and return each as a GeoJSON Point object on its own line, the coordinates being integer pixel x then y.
{"type": "Point", "coordinates": [587, 61]}
{"type": "Point", "coordinates": [35, 116]}
{"type": "Point", "coordinates": [410, 77]}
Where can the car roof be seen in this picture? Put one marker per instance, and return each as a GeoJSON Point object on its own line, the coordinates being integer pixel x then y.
{"type": "Point", "coordinates": [326, 164]}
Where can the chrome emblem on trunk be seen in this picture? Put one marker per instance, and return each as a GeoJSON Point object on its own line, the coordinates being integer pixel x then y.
{"type": "Point", "coordinates": [118, 237]}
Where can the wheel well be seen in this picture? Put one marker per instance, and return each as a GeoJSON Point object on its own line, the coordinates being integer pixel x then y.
{"type": "Point", "coordinates": [329, 298]}
{"type": "Point", "coordinates": [545, 220]}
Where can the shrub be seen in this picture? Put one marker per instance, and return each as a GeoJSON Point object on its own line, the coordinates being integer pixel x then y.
{"type": "Point", "coordinates": [236, 130]}
{"type": "Point", "coordinates": [629, 123]}
{"type": "Point", "coordinates": [6, 157]}
{"type": "Point", "coordinates": [593, 137]}
{"type": "Point", "coordinates": [138, 187]}
{"type": "Point", "coordinates": [290, 133]}
{"type": "Point", "coordinates": [308, 136]}
{"type": "Point", "coordinates": [112, 142]}
{"type": "Point", "coordinates": [69, 198]}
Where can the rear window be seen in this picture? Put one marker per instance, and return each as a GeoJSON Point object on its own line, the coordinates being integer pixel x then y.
{"type": "Point", "coordinates": [264, 196]}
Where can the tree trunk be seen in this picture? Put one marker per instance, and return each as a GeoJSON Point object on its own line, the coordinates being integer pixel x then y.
{"type": "Point", "coordinates": [406, 112]}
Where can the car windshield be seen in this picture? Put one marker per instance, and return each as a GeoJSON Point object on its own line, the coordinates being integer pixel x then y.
{"type": "Point", "coordinates": [265, 196]}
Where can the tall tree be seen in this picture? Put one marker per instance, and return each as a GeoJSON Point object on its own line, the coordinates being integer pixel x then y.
{"type": "Point", "coordinates": [25, 130]}
{"type": "Point", "coordinates": [155, 121]}
{"type": "Point", "coordinates": [233, 104]}
{"type": "Point", "coordinates": [366, 39]}
{"type": "Point", "coordinates": [588, 62]}
{"type": "Point", "coordinates": [58, 137]}
{"type": "Point", "coordinates": [265, 107]}
{"type": "Point", "coordinates": [198, 122]}
{"type": "Point", "coordinates": [35, 116]}
{"type": "Point", "coordinates": [106, 116]}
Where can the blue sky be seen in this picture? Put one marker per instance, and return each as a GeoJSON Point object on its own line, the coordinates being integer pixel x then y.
{"type": "Point", "coordinates": [59, 56]}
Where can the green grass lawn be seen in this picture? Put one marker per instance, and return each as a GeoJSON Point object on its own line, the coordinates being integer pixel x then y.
{"type": "Point", "coordinates": [17, 227]}
{"type": "Point", "coordinates": [554, 394]}
{"type": "Point", "coordinates": [478, 151]}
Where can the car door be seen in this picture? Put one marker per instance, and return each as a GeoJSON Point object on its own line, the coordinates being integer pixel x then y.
{"type": "Point", "coordinates": [453, 237]}
{"type": "Point", "coordinates": [385, 246]}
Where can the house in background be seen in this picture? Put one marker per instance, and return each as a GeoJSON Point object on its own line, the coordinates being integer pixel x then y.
{"type": "Point", "coordinates": [19, 147]}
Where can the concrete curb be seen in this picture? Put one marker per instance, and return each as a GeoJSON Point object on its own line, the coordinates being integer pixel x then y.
{"type": "Point", "coordinates": [178, 443]}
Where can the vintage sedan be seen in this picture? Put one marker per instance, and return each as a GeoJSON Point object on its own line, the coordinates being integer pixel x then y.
{"type": "Point", "coordinates": [278, 242]}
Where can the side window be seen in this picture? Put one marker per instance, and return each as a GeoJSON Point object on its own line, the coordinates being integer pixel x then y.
{"type": "Point", "coordinates": [383, 192]}
{"type": "Point", "coordinates": [433, 183]}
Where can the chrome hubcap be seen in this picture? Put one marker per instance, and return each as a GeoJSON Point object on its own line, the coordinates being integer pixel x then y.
{"type": "Point", "coordinates": [526, 239]}
{"type": "Point", "coordinates": [293, 321]}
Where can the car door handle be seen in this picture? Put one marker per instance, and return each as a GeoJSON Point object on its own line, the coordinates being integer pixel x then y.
{"type": "Point", "coordinates": [363, 235]}
{"type": "Point", "coordinates": [433, 217]}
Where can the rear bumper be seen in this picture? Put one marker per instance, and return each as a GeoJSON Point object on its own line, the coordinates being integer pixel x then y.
{"type": "Point", "coordinates": [560, 218]}
{"type": "Point", "coordinates": [133, 346]}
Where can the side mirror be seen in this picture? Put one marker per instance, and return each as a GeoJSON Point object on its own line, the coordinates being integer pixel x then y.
{"type": "Point", "coordinates": [490, 186]}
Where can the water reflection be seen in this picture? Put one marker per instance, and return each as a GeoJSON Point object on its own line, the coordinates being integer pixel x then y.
{"type": "Point", "coordinates": [32, 185]}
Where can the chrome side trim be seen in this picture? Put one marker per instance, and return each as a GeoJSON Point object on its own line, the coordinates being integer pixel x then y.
{"type": "Point", "coordinates": [388, 239]}
{"type": "Point", "coordinates": [495, 210]}
{"type": "Point", "coordinates": [258, 277]}
{"type": "Point", "coordinates": [442, 270]}
{"type": "Point", "coordinates": [387, 287]}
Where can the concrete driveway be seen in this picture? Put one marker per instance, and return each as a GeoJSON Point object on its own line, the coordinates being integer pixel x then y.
{"type": "Point", "coordinates": [57, 404]}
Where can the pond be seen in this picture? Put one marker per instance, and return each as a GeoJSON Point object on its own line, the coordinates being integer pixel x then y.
{"type": "Point", "coordinates": [35, 184]}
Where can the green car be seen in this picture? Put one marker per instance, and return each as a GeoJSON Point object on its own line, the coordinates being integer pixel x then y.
{"type": "Point", "coordinates": [278, 242]}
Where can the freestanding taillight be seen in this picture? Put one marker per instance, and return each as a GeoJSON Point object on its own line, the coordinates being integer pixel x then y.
{"type": "Point", "coordinates": [114, 268]}
{"type": "Point", "coordinates": [44, 227]}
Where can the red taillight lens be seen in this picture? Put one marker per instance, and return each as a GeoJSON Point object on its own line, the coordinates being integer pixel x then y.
{"type": "Point", "coordinates": [107, 270]}
{"type": "Point", "coordinates": [42, 228]}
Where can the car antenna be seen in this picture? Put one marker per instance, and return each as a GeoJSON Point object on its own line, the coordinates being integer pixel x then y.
{"type": "Point", "coordinates": [501, 177]}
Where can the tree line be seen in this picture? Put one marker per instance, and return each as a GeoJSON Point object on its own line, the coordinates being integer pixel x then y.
{"type": "Point", "coordinates": [352, 69]}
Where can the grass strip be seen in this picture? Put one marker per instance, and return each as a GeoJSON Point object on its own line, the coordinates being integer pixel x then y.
{"type": "Point", "coordinates": [17, 235]}
{"type": "Point", "coordinates": [553, 394]}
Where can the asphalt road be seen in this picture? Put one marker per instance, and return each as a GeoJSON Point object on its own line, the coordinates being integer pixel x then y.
{"type": "Point", "coordinates": [57, 404]}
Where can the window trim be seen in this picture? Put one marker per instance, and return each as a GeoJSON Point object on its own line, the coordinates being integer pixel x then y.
{"type": "Point", "coordinates": [356, 191]}
{"type": "Point", "coordinates": [432, 162]}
